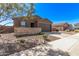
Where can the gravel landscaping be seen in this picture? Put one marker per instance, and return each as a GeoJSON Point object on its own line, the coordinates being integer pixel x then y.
{"type": "Point", "coordinates": [9, 44]}
{"type": "Point", "coordinates": [28, 45]}
{"type": "Point", "coordinates": [41, 50]}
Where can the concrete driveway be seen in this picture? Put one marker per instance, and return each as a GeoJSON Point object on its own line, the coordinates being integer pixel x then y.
{"type": "Point", "coordinates": [69, 44]}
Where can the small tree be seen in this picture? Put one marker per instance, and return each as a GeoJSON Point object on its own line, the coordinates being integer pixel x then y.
{"type": "Point", "coordinates": [16, 9]}
{"type": "Point", "coordinates": [10, 10]}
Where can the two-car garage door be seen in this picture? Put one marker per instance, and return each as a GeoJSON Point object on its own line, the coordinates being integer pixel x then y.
{"type": "Point", "coordinates": [45, 27]}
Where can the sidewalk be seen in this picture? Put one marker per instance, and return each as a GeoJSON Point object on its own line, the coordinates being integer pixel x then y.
{"type": "Point", "coordinates": [69, 44]}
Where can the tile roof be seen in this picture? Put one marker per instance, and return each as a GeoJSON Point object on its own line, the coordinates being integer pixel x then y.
{"type": "Point", "coordinates": [32, 17]}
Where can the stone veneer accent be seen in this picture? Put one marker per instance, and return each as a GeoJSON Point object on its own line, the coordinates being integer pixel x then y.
{"type": "Point", "coordinates": [22, 30]}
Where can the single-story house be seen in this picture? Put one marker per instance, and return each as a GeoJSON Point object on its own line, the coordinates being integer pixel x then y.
{"type": "Point", "coordinates": [32, 25]}
{"type": "Point", "coordinates": [60, 26]}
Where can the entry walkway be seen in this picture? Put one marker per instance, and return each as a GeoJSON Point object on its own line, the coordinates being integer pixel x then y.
{"type": "Point", "coordinates": [69, 44]}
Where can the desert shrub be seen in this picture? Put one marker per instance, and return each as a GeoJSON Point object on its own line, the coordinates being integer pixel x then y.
{"type": "Point", "coordinates": [67, 30]}
{"type": "Point", "coordinates": [57, 30]}
{"type": "Point", "coordinates": [76, 30]}
{"type": "Point", "coordinates": [21, 42]}
{"type": "Point", "coordinates": [41, 33]}
{"type": "Point", "coordinates": [50, 38]}
{"type": "Point", "coordinates": [45, 36]}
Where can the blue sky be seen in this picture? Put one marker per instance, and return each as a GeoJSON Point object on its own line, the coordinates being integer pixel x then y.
{"type": "Point", "coordinates": [57, 12]}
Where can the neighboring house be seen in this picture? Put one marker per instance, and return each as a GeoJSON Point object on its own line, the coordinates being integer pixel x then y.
{"type": "Point", "coordinates": [32, 24]}
{"type": "Point", "coordinates": [60, 26]}
{"type": "Point", "coordinates": [76, 26]}
{"type": "Point", "coordinates": [71, 27]}
{"type": "Point", "coordinates": [6, 29]}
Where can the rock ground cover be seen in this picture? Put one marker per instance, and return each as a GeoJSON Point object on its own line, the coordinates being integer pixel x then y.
{"type": "Point", "coordinates": [10, 44]}
{"type": "Point", "coordinates": [64, 47]}
{"type": "Point", "coordinates": [41, 50]}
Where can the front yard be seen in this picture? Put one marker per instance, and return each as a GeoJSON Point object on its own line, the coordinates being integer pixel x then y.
{"type": "Point", "coordinates": [10, 44]}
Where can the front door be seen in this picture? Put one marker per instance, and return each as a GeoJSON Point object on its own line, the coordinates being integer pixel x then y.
{"type": "Point", "coordinates": [32, 25]}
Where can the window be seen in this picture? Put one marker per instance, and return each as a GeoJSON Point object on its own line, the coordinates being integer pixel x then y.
{"type": "Point", "coordinates": [23, 23]}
